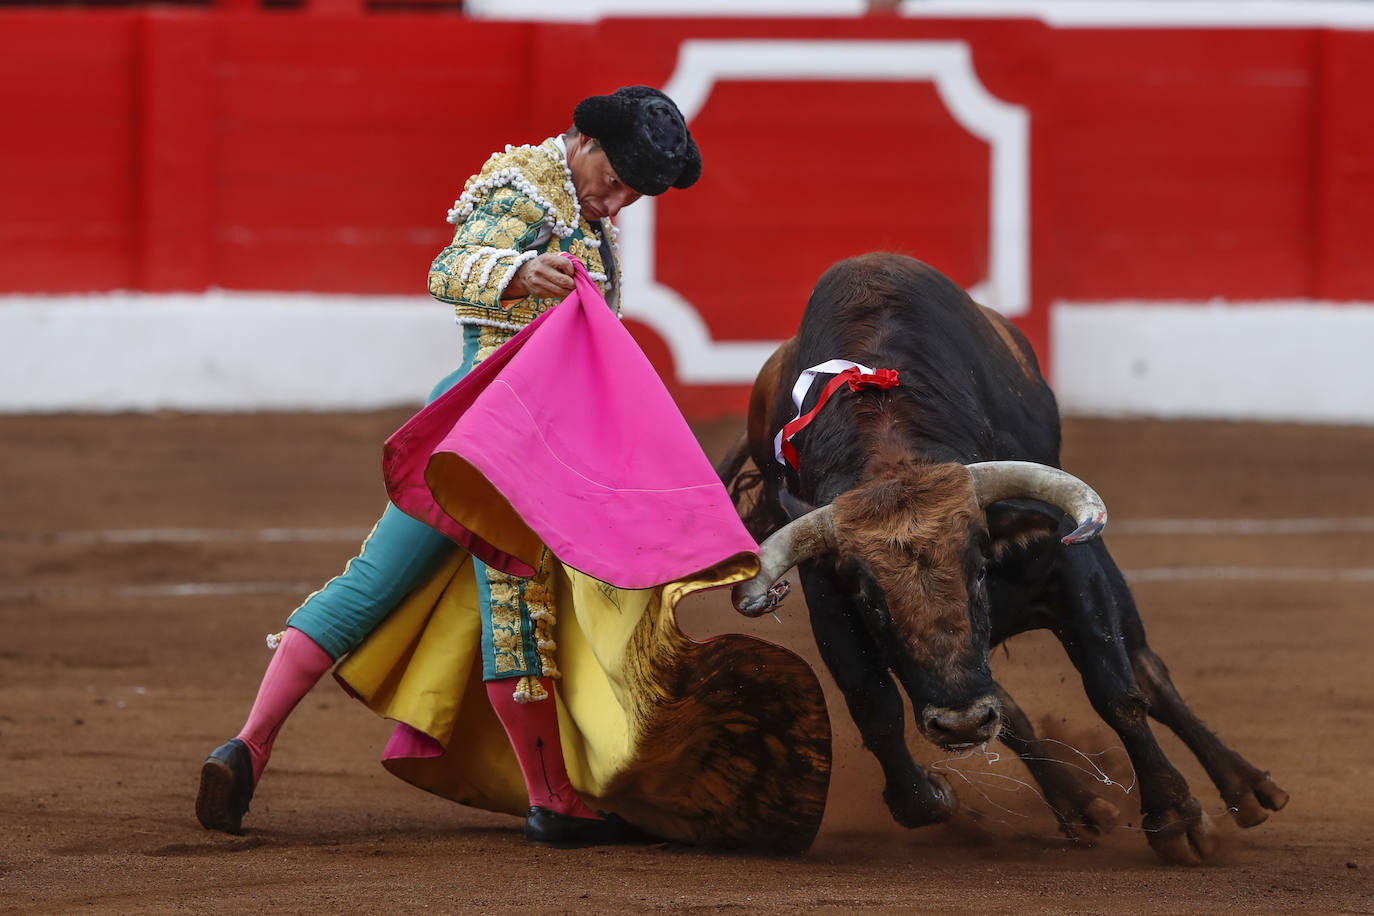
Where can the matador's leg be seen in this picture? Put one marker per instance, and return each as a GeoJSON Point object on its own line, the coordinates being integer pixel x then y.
{"type": "Point", "coordinates": [518, 617]}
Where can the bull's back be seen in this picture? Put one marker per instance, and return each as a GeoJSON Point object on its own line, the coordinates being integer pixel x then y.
{"type": "Point", "coordinates": [968, 369]}
{"type": "Point", "coordinates": [1017, 346]}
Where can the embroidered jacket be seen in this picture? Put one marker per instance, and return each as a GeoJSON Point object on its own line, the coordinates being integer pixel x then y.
{"type": "Point", "coordinates": [520, 205]}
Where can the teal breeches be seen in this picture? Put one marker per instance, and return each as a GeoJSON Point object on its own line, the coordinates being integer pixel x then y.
{"type": "Point", "coordinates": [398, 555]}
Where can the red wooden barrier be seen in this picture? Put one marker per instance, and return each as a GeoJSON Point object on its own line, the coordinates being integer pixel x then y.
{"type": "Point", "coordinates": [186, 149]}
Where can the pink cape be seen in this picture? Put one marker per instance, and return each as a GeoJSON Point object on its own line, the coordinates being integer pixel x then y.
{"type": "Point", "coordinates": [565, 439]}
{"type": "Point", "coordinates": [571, 426]}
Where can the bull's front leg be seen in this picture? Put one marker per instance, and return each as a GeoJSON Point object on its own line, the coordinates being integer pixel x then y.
{"type": "Point", "coordinates": [1091, 631]}
{"type": "Point", "coordinates": [914, 797]}
{"type": "Point", "coordinates": [1083, 814]}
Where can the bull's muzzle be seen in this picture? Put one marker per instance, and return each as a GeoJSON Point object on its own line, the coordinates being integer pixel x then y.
{"type": "Point", "coordinates": [977, 723]}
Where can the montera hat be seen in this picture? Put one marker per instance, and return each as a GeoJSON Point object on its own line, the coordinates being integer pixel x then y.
{"type": "Point", "coordinates": [644, 136]}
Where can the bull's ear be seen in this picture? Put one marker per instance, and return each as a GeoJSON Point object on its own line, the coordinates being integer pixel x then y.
{"type": "Point", "coordinates": [792, 505]}
{"type": "Point", "coordinates": [1017, 524]}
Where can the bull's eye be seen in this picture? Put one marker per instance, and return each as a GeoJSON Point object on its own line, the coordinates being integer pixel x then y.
{"type": "Point", "coordinates": [982, 575]}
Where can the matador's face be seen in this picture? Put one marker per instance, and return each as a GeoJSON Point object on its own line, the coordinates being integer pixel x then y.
{"type": "Point", "coordinates": [599, 189]}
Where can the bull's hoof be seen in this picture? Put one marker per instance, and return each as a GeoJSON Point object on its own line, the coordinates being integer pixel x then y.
{"type": "Point", "coordinates": [928, 801]}
{"type": "Point", "coordinates": [1182, 835]}
{"type": "Point", "coordinates": [1085, 823]}
{"type": "Point", "coordinates": [1249, 803]}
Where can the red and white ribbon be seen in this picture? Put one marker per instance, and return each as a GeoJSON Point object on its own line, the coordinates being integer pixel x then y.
{"type": "Point", "coordinates": [853, 374]}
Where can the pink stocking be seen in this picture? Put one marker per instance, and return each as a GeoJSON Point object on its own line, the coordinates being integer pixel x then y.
{"type": "Point", "coordinates": [533, 732]}
{"type": "Point", "coordinates": [295, 667]}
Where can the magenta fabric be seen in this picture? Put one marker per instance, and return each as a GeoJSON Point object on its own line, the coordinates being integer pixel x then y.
{"type": "Point", "coordinates": [570, 423]}
{"type": "Point", "coordinates": [407, 742]}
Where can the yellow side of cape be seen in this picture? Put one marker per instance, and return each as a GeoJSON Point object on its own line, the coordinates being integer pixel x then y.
{"type": "Point", "coordinates": [723, 743]}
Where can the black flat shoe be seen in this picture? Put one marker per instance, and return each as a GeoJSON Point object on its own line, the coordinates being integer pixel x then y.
{"type": "Point", "coordinates": [226, 787]}
{"type": "Point", "coordinates": [549, 828]}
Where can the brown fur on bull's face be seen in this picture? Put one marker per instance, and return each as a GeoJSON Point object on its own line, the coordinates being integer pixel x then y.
{"type": "Point", "coordinates": [919, 532]}
{"type": "Point", "coordinates": [910, 531]}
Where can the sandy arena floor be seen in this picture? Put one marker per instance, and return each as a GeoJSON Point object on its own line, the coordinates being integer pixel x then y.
{"type": "Point", "coordinates": [143, 558]}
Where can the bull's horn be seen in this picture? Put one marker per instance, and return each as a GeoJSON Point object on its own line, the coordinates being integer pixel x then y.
{"type": "Point", "coordinates": [800, 539]}
{"type": "Point", "coordinates": [994, 480]}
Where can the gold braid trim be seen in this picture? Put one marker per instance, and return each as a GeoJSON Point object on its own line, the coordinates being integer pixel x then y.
{"type": "Point", "coordinates": [537, 172]}
{"type": "Point", "coordinates": [539, 599]}
{"type": "Point", "coordinates": [536, 594]}
{"type": "Point", "coordinates": [529, 690]}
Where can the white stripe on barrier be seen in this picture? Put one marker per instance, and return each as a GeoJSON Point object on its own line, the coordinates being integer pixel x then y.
{"type": "Point", "coordinates": [201, 535]}
{"type": "Point", "coordinates": [259, 351]}
{"type": "Point", "coordinates": [1161, 527]}
{"type": "Point", "coordinates": [1235, 526]}
{"type": "Point", "coordinates": [592, 10]}
{"type": "Point", "coordinates": [221, 351]}
{"type": "Point", "coordinates": [1273, 361]}
{"type": "Point", "coordinates": [1348, 14]}
{"type": "Point", "coordinates": [162, 590]}
{"type": "Point", "coordinates": [1249, 574]}
{"type": "Point", "coordinates": [300, 589]}
{"type": "Point", "coordinates": [1158, 14]}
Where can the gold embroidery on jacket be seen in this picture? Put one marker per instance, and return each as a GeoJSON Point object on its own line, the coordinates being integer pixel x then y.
{"type": "Point", "coordinates": [522, 620]}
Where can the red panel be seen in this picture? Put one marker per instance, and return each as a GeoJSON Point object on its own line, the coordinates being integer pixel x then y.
{"type": "Point", "coordinates": [1182, 164]}
{"type": "Point", "coordinates": [68, 166]}
{"type": "Point", "coordinates": [178, 153]}
{"type": "Point", "coordinates": [801, 174]}
{"type": "Point", "coordinates": [781, 200]}
{"type": "Point", "coordinates": [285, 151]}
{"type": "Point", "coordinates": [798, 175]}
{"type": "Point", "coordinates": [339, 159]}
{"type": "Point", "coordinates": [698, 402]}
{"type": "Point", "coordinates": [1346, 195]}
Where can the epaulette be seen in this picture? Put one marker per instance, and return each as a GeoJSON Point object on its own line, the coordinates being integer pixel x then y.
{"type": "Point", "coordinates": [540, 172]}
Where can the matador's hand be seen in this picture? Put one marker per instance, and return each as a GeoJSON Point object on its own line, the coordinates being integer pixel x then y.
{"type": "Point", "coordinates": [549, 276]}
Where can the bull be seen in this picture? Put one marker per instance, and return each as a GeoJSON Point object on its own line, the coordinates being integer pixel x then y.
{"type": "Point", "coordinates": [930, 521]}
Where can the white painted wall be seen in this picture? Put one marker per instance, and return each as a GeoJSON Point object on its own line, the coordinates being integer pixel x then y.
{"type": "Point", "coordinates": [1343, 14]}
{"type": "Point", "coordinates": [591, 10]}
{"type": "Point", "coordinates": [221, 351]}
{"type": "Point", "coordinates": [1300, 361]}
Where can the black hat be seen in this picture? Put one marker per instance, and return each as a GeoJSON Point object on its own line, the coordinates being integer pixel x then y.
{"type": "Point", "coordinates": [645, 138]}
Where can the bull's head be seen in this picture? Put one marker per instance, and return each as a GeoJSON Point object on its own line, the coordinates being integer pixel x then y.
{"type": "Point", "coordinates": [911, 548]}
